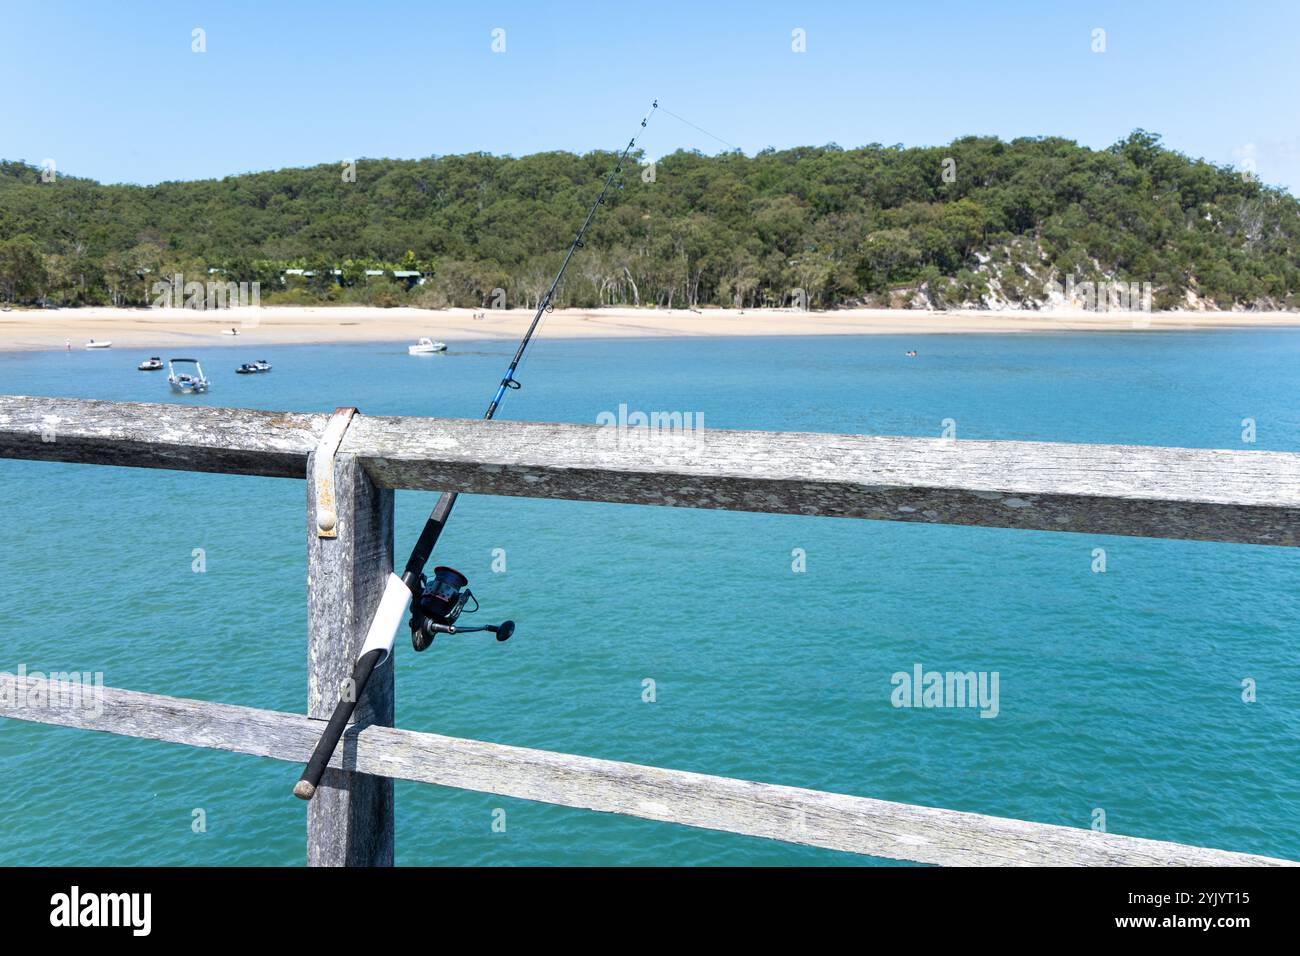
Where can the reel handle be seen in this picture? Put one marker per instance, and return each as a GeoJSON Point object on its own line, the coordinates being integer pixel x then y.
{"type": "Point", "coordinates": [423, 629]}
{"type": "Point", "coordinates": [502, 630]}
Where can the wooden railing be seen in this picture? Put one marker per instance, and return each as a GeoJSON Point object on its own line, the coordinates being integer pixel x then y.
{"type": "Point", "coordinates": [1211, 495]}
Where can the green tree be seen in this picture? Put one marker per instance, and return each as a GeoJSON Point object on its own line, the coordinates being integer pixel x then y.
{"type": "Point", "coordinates": [23, 275]}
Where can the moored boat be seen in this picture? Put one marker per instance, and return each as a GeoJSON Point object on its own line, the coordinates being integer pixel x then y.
{"type": "Point", "coordinates": [186, 383]}
{"type": "Point", "coordinates": [425, 346]}
{"type": "Point", "coordinates": [151, 364]}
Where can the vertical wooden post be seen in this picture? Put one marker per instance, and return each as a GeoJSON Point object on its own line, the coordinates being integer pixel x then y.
{"type": "Point", "coordinates": [350, 819]}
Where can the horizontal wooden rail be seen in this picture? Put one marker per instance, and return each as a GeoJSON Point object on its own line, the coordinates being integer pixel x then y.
{"type": "Point", "coordinates": [1201, 494]}
{"type": "Point", "coordinates": [237, 441]}
{"type": "Point", "coordinates": [876, 828]}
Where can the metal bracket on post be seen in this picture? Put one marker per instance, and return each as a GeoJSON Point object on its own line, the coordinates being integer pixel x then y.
{"type": "Point", "coordinates": [327, 517]}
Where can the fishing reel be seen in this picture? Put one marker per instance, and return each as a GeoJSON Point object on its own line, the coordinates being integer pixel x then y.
{"type": "Point", "coordinates": [441, 602]}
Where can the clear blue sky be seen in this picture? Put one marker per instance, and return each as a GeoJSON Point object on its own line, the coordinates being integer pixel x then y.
{"type": "Point", "coordinates": [114, 92]}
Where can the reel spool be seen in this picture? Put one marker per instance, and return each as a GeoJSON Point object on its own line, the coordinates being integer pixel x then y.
{"type": "Point", "coordinates": [441, 603]}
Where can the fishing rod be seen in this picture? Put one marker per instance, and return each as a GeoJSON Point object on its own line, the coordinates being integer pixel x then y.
{"type": "Point", "coordinates": [436, 605]}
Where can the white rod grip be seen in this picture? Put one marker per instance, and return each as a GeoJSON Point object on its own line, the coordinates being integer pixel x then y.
{"type": "Point", "coordinates": [388, 618]}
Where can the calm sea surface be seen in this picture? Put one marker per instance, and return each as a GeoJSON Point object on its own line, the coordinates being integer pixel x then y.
{"type": "Point", "coordinates": [1119, 691]}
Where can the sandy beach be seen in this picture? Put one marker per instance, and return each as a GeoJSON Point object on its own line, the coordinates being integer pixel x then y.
{"type": "Point", "coordinates": [184, 329]}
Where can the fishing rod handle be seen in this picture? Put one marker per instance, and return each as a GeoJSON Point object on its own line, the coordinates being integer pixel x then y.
{"type": "Point", "coordinates": [376, 648]}
{"type": "Point", "coordinates": [306, 786]}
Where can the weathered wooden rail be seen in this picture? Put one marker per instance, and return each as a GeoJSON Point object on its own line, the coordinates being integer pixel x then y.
{"type": "Point", "coordinates": [1205, 494]}
{"type": "Point", "coordinates": [1210, 495]}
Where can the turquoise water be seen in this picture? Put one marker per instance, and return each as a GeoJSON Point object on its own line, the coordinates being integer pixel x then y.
{"type": "Point", "coordinates": [1119, 691]}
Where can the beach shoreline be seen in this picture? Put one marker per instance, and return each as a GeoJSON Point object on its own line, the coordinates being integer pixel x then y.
{"type": "Point", "coordinates": [176, 329]}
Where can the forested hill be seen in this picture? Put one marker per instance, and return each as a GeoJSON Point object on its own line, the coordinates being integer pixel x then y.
{"type": "Point", "coordinates": [979, 222]}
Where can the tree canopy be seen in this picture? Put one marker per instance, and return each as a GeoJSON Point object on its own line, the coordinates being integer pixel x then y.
{"type": "Point", "coordinates": [977, 222]}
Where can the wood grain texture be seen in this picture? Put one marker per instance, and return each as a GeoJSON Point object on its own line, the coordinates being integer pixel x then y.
{"type": "Point", "coordinates": [1200, 494]}
{"type": "Point", "coordinates": [240, 441]}
{"type": "Point", "coordinates": [855, 824]}
{"type": "Point", "coordinates": [350, 819]}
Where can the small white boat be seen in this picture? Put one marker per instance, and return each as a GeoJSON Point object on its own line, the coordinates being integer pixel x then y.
{"type": "Point", "coordinates": [425, 346]}
{"type": "Point", "coordinates": [186, 383]}
{"type": "Point", "coordinates": [230, 331]}
{"type": "Point", "coordinates": [92, 344]}
{"type": "Point", "coordinates": [254, 368]}
{"type": "Point", "coordinates": [151, 365]}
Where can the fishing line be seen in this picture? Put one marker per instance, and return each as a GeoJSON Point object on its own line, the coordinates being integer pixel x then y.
{"type": "Point", "coordinates": [658, 106]}
{"type": "Point", "coordinates": [683, 119]}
